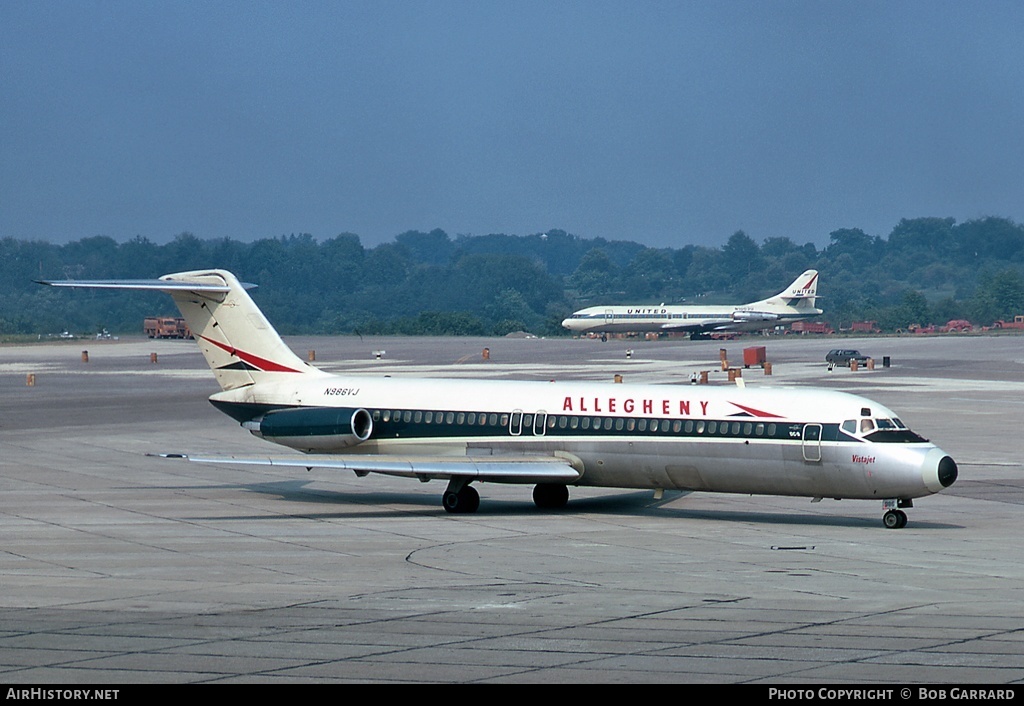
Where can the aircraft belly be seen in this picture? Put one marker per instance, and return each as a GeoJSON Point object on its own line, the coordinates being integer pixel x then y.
{"type": "Point", "coordinates": [729, 466]}
{"type": "Point", "coordinates": [722, 466]}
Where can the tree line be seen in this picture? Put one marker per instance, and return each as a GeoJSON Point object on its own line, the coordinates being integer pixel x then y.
{"type": "Point", "coordinates": [926, 271]}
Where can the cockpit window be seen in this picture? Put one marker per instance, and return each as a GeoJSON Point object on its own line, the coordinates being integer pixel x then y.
{"type": "Point", "coordinates": [895, 436]}
{"type": "Point", "coordinates": [882, 431]}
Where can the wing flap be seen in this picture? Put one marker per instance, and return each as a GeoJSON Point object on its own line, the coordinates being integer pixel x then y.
{"type": "Point", "coordinates": [496, 469]}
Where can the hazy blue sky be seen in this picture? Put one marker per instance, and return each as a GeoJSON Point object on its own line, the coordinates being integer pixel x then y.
{"type": "Point", "coordinates": [662, 122]}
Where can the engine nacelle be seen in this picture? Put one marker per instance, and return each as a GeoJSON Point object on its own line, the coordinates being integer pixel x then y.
{"type": "Point", "coordinates": [314, 428]}
{"type": "Point", "coordinates": [754, 316]}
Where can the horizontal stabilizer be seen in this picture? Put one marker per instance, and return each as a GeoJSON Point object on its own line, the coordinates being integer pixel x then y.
{"type": "Point", "coordinates": [156, 285]}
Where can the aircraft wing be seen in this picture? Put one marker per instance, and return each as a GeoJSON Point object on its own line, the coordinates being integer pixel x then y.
{"type": "Point", "coordinates": [697, 325]}
{"type": "Point", "coordinates": [723, 323]}
{"type": "Point", "coordinates": [495, 469]}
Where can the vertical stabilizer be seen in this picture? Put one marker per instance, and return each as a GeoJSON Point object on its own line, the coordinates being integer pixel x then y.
{"type": "Point", "coordinates": [238, 342]}
{"type": "Point", "coordinates": [801, 294]}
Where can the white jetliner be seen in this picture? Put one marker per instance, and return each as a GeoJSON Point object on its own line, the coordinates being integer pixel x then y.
{"type": "Point", "coordinates": [794, 303]}
{"type": "Point", "coordinates": [770, 441]}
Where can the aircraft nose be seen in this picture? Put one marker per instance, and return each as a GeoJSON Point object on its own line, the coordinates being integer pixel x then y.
{"type": "Point", "coordinates": [938, 470]}
{"type": "Point", "coordinates": [947, 471]}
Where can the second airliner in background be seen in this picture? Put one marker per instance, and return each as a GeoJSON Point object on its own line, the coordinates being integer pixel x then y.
{"type": "Point", "coordinates": [795, 303]}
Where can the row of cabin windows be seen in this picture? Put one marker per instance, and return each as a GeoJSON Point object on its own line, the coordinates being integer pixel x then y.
{"type": "Point", "coordinates": [663, 425]}
{"type": "Point", "coordinates": [562, 421]}
{"type": "Point", "coordinates": [420, 417]}
{"type": "Point", "coordinates": [660, 316]}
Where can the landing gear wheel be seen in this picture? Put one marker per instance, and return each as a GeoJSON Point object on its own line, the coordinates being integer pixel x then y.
{"type": "Point", "coordinates": [894, 519]}
{"type": "Point", "coordinates": [550, 495]}
{"type": "Point", "coordinates": [463, 501]}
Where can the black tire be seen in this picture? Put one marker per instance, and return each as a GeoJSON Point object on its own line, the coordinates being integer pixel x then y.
{"type": "Point", "coordinates": [550, 496]}
{"type": "Point", "coordinates": [465, 501]}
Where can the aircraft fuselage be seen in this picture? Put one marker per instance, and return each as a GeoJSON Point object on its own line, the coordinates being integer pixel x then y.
{"type": "Point", "coordinates": [726, 439]}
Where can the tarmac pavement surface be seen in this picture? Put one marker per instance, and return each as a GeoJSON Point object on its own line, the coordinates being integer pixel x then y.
{"type": "Point", "coordinates": [119, 568]}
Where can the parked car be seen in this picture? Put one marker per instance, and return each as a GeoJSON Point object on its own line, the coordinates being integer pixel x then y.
{"type": "Point", "coordinates": [843, 356]}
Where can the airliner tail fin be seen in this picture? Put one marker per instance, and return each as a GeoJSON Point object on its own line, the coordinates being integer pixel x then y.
{"type": "Point", "coordinates": [240, 345]}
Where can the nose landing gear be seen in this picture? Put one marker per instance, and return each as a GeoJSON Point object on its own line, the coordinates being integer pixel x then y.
{"type": "Point", "coordinates": [894, 517]}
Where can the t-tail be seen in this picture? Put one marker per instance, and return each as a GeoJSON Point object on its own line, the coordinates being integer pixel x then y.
{"type": "Point", "coordinates": [239, 344]}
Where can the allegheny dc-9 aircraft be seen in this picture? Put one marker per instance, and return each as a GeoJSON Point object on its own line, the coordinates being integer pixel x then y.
{"type": "Point", "coordinates": [552, 435]}
{"type": "Point", "coordinates": [794, 303]}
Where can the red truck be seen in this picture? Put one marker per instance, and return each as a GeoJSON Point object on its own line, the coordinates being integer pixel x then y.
{"type": "Point", "coordinates": [166, 327]}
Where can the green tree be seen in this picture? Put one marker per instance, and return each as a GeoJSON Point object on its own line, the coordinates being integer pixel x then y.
{"type": "Point", "coordinates": [652, 273]}
{"type": "Point", "coordinates": [596, 275]}
{"type": "Point", "coordinates": [999, 296]}
{"type": "Point", "coordinates": [742, 253]}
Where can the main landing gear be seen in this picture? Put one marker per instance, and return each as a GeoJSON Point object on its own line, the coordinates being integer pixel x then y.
{"type": "Point", "coordinates": [461, 497]}
{"type": "Point", "coordinates": [894, 517]}
{"type": "Point", "coordinates": [550, 496]}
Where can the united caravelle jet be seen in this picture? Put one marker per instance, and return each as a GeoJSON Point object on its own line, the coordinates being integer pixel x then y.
{"type": "Point", "coordinates": [770, 441]}
{"type": "Point", "coordinates": [794, 303]}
